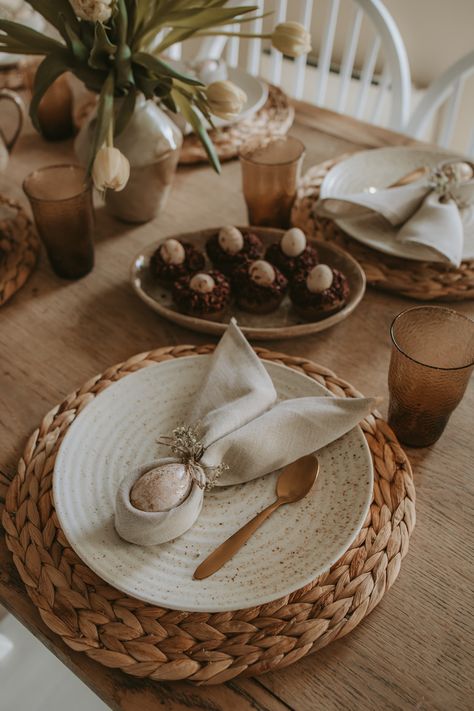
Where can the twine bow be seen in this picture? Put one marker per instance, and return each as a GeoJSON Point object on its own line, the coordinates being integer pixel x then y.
{"type": "Point", "coordinates": [186, 444]}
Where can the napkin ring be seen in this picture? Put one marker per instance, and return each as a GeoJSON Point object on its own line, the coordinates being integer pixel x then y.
{"type": "Point", "coordinates": [188, 447]}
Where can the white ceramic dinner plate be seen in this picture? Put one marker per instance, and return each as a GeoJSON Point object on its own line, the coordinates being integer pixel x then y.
{"type": "Point", "coordinates": [119, 430]}
{"type": "Point", "coordinates": [380, 167]}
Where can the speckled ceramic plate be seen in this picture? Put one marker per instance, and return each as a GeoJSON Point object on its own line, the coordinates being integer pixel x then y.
{"type": "Point", "coordinates": [378, 168]}
{"type": "Point", "coordinates": [119, 429]}
{"type": "Point", "coordinates": [282, 323]}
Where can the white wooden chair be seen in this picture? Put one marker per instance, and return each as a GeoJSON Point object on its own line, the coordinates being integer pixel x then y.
{"type": "Point", "coordinates": [368, 79]}
{"type": "Point", "coordinates": [441, 105]}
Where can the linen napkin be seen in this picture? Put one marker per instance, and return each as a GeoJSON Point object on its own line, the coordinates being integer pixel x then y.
{"type": "Point", "coordinates": [427, 211]}
{"type": "Point", "coordinates": [245, 433]}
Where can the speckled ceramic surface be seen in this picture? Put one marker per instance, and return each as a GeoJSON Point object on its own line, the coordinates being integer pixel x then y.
{"type": "Point", "coordinates": [120, 428]}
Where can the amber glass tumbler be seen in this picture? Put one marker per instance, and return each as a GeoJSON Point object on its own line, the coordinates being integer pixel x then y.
{"type": "Point", "coordinates": [270, 174]}
{"type": "Point", "coordinates": [432, 360]}
{"type": "Point", "coordinates": [61, 200]}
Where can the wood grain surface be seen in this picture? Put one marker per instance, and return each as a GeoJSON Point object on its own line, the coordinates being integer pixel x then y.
{"type": "Point", "coordinates": [415, 651]}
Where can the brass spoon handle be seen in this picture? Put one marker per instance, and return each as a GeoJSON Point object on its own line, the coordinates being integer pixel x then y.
{"type": "Point", "coordinates": [229, 548]}
{"type": "Point", "coordinates": [410, 177]}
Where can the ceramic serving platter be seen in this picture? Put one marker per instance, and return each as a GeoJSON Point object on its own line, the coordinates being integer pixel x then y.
{"type": "Point", "coordinates": [282, 323]}
{"type": "Point", "coordinates": [119, 430]}
{"type": "Point", "coordinates": [378, 168]}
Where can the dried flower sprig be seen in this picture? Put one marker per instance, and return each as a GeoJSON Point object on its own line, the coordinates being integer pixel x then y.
{"type": "Point", "coordinates": [186, 444]}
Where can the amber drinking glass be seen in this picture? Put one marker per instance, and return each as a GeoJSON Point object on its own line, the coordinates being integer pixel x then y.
{"type": "Point", "coordinates": [61, 200]}
{"type": "Point", "coordinates": [432, 360]}
{"type": "Point", "coordinates": [270, 175]}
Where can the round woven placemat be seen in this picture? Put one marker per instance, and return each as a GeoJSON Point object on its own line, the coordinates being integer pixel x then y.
{"type": "Point", "coordinates": [19, 248]}
{"type": "Point", "coordinates": [426, 281]}
{"type": "Point", "coordinates": [273, 119]}
{"type": "Point", "coordinates": [161, 644]}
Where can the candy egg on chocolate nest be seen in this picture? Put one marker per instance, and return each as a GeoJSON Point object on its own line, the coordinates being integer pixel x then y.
{"type": "Point", "coordinates": [230, 248]}
{"type": "Point", "coordinates": [205, 294]}
{"type": "Point", "coordinates": [319, 292]}
{"type": "Point", "coordinates": [292, 253]}
{"type": "Point", "coordinates": [174, 259]}
{"type": "Point", "coordinates": [162, 488]}
{"type": "Point", "coordinates": [259, 287]}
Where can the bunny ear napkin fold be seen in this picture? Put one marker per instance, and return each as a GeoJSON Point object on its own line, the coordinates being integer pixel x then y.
{"type": "Point", "coordinates": [428, 212]}
{"type": "Point", "coordinates": [236, 431]}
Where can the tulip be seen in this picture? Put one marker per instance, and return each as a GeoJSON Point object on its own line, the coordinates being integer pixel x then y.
{"type": "Point", "coordinates": [291, 39]}
{"type": "Point", "coordinates": [92, 10]}
{"type": "Point", "coordinates": [110, 170]}
{"type": "Point", "coordinates": [225, 99]}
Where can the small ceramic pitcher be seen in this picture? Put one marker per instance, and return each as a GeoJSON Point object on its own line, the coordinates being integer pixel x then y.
{"type": "Point", "coordinates": [6, 144]}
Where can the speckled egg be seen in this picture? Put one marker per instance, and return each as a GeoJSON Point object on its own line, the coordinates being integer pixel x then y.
{"type": "Point", "coordinates": [202, 283]}
{"type": "Point", "coordinates": [262, 272]}
{"type": "Point", "coordinates": [319, 279]}
{"type": "Point", "coordinates": [172, 252]}
{"type": "Point", "coordinates": [162, 488]}
{"type": "Point", "coordinates": [230, 240]}
{"type": "Point", "coordinates": [293, 242]}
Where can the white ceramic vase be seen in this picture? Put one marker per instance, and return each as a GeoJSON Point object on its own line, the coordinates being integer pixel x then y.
{"type": "Point", "coordinates": [151, 141]}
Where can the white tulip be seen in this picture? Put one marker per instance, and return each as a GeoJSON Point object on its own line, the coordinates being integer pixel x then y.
{"type": "Point", "coordinates": [291, 38]}
{"type": "Point", "coordinates": [110, 170]}
{"type": "Point", "coordinates": [225, 99]}
{"type": "Point", "coordinates": [92, 10]}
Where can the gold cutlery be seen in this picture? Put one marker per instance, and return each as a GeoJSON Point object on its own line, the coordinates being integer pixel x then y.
{"type": "Point", "coordinates": [294, 483]}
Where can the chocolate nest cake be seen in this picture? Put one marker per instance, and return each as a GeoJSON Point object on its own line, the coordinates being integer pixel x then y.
{"type": "Point", "coordinates": [205, 294]}
{"type": "Point", "coordinates": [319, 293]}
{"type": "Point", "coordinates": [229, 249]}
{"type": "Point", "coordinates": [175, 259]}
{"type": "Point", "coordinates": [292, 254]}
{"type": "Point", "coordinates": [259, 287]}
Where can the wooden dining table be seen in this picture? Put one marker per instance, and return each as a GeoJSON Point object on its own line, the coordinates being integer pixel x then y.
{"type": "Point", "coordinates": [416, 649]}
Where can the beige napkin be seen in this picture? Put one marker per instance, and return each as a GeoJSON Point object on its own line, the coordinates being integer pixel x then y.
{"type": "Point", "coordinates": [425, 216]}
{"type": "Point", "coordinates": [241, 425]}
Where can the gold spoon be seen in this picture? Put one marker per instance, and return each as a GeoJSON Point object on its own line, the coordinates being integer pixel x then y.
{"type": "Point", "coordinates": [294, 483]}
{"type": "Point", "coordinates": [465, 170]}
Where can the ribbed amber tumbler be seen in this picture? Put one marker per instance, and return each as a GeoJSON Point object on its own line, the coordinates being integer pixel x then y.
{"type": "Point", "coordinates": [61, 200]}
{"type": "Point", "coordinates": [270, 175]}
{"type": "Point", "coordinates": [432, 360]}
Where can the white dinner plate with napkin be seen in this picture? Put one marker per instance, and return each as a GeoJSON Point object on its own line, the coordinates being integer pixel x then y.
{"type": "Point", "coordinates": [120, 429]}
{"type": "Point", "coordinates": [412, 222]}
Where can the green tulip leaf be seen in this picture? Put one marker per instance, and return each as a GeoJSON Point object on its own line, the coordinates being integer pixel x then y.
{"type": "Point", "coordinates": [160, 68]}
{"type": "Point", "coordinates": [52, 10]}
{"type": "Point", "coordinates": [125, 111]}
{"type": "Point", "coordinates": [103, 49]}
{"type": "Point", "coordinates": [105, 116]}
{"type": "Point", "coordinates": [33, 42]}
{"type": "Point", "coordinates": [191, 117]}
{"type": "Point", "coordinates": [48, 71]}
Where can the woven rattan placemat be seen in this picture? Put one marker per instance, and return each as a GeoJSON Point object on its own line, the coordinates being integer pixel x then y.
{"type": "Point", "coordinates": [273, 119]}
{"type": "Point", "coordinates": [19, 248]}
{"type": "Point", "coordinates": [161, 644]}
{"type": "Point", "coordinates": [426, 281]}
